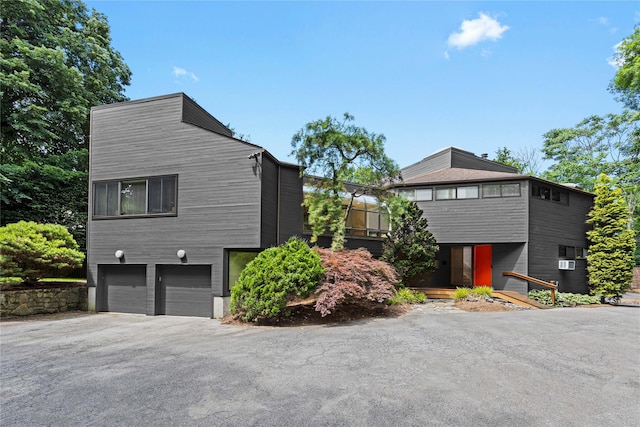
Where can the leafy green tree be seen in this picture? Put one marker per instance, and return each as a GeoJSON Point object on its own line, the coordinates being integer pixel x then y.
{"type": "Point", "coordinates": [611, 243]}
{"type": "Point", "coordinates": [57, 62]}
{"type": "Point", "coordinates": [47, 193]}
{"type": "Point", "coordinates": [410, 247]}
{"type": "Point", "coordinates": [33, 251]}
{"type": "Point", "coordinates": [273, 278]}
{"type": "Point", "coordinates": [332, 152]}
{"type": "Point", "coordinates": [626, 83]}
{"type": "Point", "coordinates": [609, 144]}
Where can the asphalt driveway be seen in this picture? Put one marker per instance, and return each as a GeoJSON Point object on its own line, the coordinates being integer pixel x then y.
{"type": "Point", "coordinates": [560, 367]}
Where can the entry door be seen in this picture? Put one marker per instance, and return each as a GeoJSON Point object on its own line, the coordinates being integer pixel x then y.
{"type": "Point", "coordinates": [461, 265]}
{"type": "Point", "coordinates": [482, 265]}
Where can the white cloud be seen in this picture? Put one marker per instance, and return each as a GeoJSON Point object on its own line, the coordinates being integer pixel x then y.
{"type": "Point", "coordinates": [446, 55]}
{"type": "Point", "coordinates": [475, 31]}
{"type": "Point", "coordinates": [181, 72]}
{"type": "Point", "coordinates": [615, 60]}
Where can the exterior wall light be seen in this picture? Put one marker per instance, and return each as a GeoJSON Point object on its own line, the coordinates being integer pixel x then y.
{"type": "Point", "coordinates": [181, 253]}
{"type": "Point", "coordinates": [119, 253]}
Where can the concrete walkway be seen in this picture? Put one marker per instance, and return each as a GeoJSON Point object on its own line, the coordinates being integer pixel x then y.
{"type": "Point", "coordinates": [561, 367]}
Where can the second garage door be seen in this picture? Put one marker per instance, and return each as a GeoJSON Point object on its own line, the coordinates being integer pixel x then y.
{"type": "Point", "coordinates": [184, 290]}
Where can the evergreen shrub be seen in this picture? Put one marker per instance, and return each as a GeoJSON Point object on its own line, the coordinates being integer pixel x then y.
{"type": "Point", "coordinates": [276, 276]}
{"type": "Point", "coordinates": [32, 251]}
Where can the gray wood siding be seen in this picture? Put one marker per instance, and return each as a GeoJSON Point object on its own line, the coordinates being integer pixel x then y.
{"type": "Point", "coordinates": [269, 201]}
{"type": "Point", "coordinates": [453, 158]}
{"type": "Point", "coordinates": [291, 197]}
{"type": "Point", "coordinates": [219, 191]}
{"type": "Point", "coordinates": [491, 220]}
{"type": "Point", "coordinates": [553, 224]}
{"type": "Point", "coordinates": [509, 257]}
{"type": "Point", "coordinates": [196, 115]}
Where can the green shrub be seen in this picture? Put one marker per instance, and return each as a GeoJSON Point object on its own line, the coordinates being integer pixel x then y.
{"type": "Point", "coordinates": [460, 293]}
{"type": "Point", "coordinates": [32, 251]}
{"type": "Point", "coordinates": [404, 295]}
{"type": "Point", "coordinates": [481, 291]}
{"type": "Point", "coordinates": [274, 277]}
{"type": "Point", "coordinates": [563, 299]}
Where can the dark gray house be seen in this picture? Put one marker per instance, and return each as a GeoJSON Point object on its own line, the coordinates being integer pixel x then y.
{"type": "Point", "coordinates": [488, 219]}
{"type": "Point", "coordinates": [178, 206]}
{"type": "Point", "coordinates": [176, 203]}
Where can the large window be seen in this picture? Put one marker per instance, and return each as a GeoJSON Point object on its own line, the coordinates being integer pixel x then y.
{"type": "Point", "coordinates": [366, 216]}
{"type": "Point", "coordinates": [140, 196]}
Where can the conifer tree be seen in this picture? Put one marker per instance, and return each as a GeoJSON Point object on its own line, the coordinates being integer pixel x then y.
{"type": "Point", "coordinates": [410, 247]}
{"type": "Point", "coordinates": [611, 243]}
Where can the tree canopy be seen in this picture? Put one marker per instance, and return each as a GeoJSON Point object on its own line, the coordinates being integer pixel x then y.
{"type": "Point", "coordinates": [334, 151]}
{"type": "Point", "coordinates": [57, 62]}
{"type": "Point", "coordinates": [626, 83]}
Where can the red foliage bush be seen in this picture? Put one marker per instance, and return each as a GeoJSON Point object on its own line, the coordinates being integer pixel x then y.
{"type": "Point", "coordinates": [353, 276]}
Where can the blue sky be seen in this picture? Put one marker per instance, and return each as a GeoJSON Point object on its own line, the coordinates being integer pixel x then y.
{"type": "Point", "coordinates": [427, 75]}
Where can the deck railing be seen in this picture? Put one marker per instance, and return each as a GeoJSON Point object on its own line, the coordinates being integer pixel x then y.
{"type": "Point", "coordinates": [551, 284]}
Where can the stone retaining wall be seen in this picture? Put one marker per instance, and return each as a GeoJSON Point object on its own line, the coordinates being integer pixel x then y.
{"type": "Point", "coordinates": [43, 301]}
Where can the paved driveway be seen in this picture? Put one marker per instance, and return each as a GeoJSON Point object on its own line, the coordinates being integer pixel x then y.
{"type": "Point", "coordinates": [561, 367]}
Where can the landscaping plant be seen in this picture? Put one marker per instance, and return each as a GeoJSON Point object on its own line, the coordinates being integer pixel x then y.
{"type": "Point", "coordinates": [460, 293]}
{"type": "Point", "coordinates": [353, 276]}
{"type": "Point", "coordinates": [32, 251]}
{"type": "Point", "coordinates": [274, 277]}
{"type": "Point", "coordinates": [404, 295]}
{"type": "Point", "coordinates": [612, 242]}
{"type": "Point", "coordinates": [563, 299]}
{"type": "Point", "coordinates": [410, 247]}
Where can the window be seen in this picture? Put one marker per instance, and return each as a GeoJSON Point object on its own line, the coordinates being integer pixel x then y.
{"type": "Point", "coordinates": [571, 252]}
{"type": "Point", "coordinates": [365, 218]}
{"type": "Point", "coordinates": [238, 260]}
{"type": "Point", "coordinates": [500, 190]}
{"type": "Point", "coordinates": [548, 193]}
{"type": "Point", "coordinates": [462, 192]}
{"type": "Point", "coordinates": [424, 194]}
{"type": "Point", "coordinates": [407, 194]}
{"type": "Point", "coordinates": [142, 196]}
{"type": "Point", "coordinates": [445, 193]}
{"type": "Point", "coordinates": [468, 192]}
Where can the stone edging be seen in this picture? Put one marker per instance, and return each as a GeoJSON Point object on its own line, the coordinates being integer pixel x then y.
{"type": "Point", "coordinates": [26, 302]}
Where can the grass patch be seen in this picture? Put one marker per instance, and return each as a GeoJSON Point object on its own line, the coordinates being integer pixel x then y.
{"type": "Point", "coordinates": [460, 293]}
{"type": "Point", "coordinates": [408, 296]}
{"type": "Point", "coordinates": [482, 291]}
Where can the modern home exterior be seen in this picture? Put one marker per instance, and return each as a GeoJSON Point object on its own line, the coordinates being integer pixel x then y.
{"type": "Point", "coordinates": [488, 219]}
{"type": "Point", "coordinates": [178, 206]}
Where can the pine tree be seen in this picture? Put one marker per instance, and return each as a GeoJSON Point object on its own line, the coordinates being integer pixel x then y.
{"type": "Point", "coordinates": [612, 244]}
{"type": "Point", "coordinates": [410, 247]}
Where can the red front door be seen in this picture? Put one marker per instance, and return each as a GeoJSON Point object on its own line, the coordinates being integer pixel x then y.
{"type": "Point", "coordinates": [482, 265]}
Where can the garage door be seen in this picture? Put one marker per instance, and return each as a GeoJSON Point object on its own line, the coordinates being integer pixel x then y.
{"type": "Point", "coordinates": [124, 288]}
{"type": "Point", "coordinates": [184, 290]}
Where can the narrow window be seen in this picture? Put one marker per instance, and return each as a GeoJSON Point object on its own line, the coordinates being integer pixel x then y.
{"type": "Point", "coordinates": [490, 190]}
{"type": "Point", "coordinates": [510, 190]}
{"type": "Point", "coordinates": [408, 194]}
{"type": "Point", "coordinates": [133, 197]}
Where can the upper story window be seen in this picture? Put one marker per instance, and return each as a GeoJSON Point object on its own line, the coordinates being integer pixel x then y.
{"type": "Point", "coordinates": [550, 193]}
{"type": "Point", "coordinates": [460, 192]}
{"type": "Point", "coordinates": [418, 195]}
{"type": "Point", "coordinates": [500, 190]}
{"type": "Point", "coordinates": [133, 197]}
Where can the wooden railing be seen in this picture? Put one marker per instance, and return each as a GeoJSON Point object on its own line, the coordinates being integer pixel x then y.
{"type": "Point", "coordinates": [551, 284]}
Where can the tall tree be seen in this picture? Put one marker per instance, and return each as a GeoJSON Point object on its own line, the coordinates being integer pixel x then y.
{"type": "Point", "coordinates": [611, 244]}
{"type": "Point", "coordinates": [333, 151]}
{"type": "Point", "coordinates": [626, 83]}
{"type": "Point", "coordinates": [609, 144]}
{"type": "Point", "coordinates": [57, 62]}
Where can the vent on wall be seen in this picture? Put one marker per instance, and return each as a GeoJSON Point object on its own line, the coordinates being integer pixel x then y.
{"type": "Point", "coordinates": [566, 264]}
